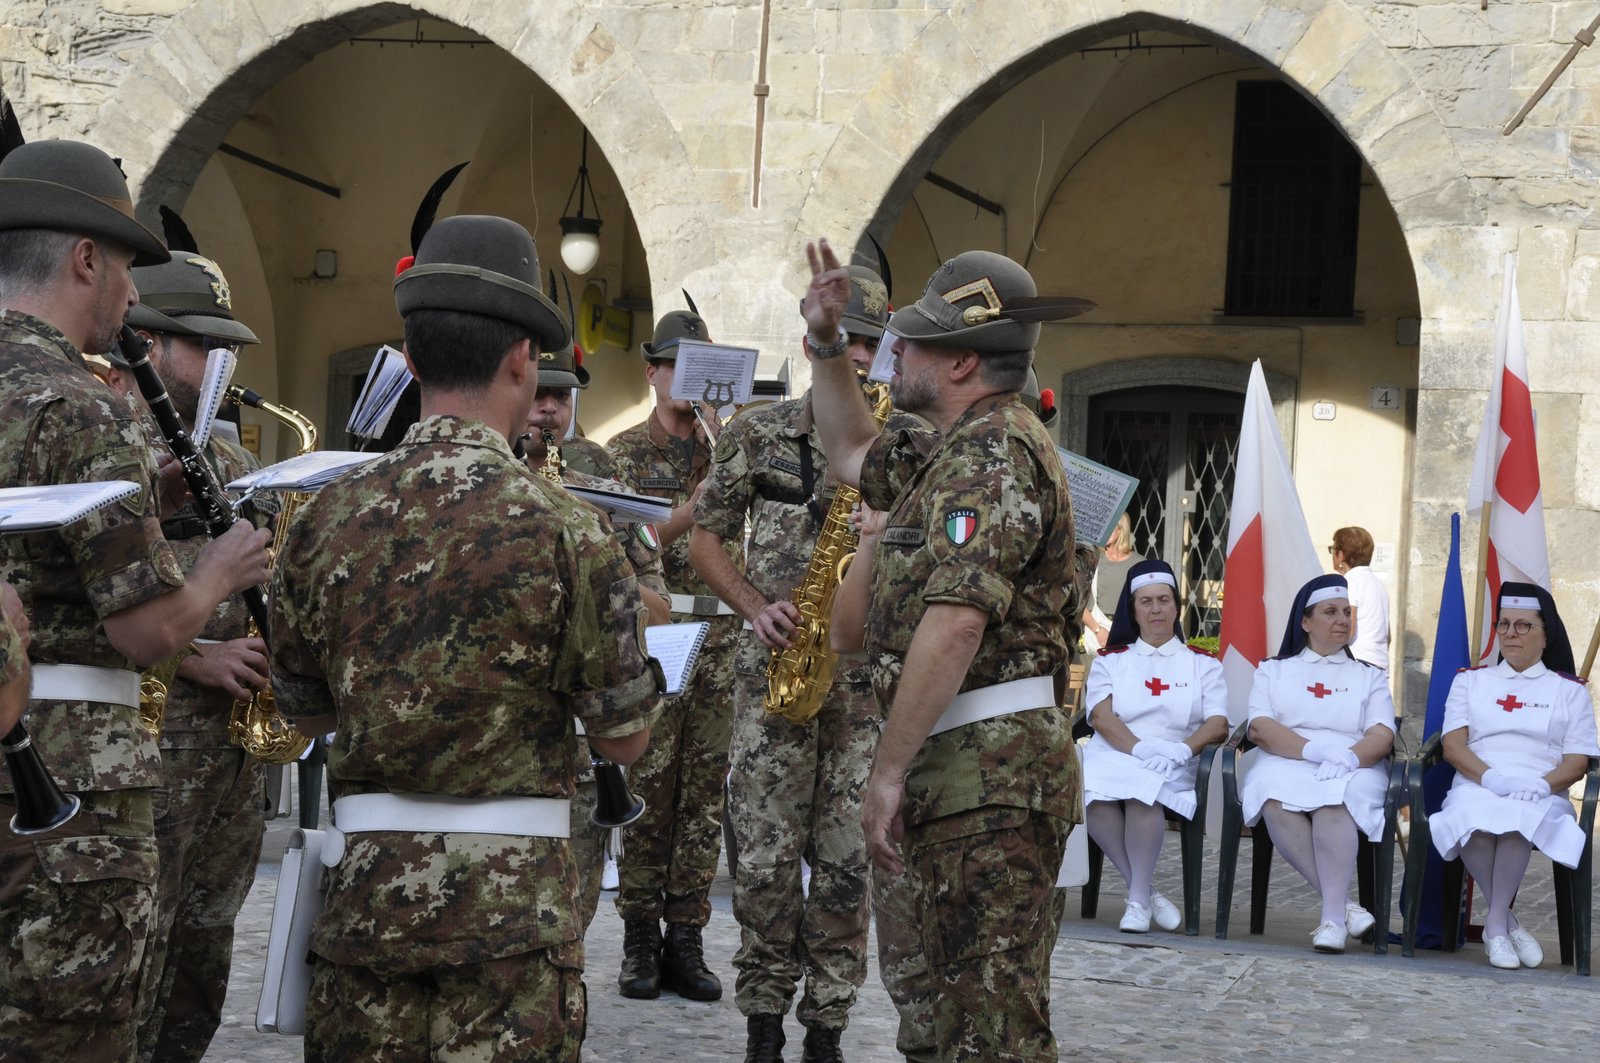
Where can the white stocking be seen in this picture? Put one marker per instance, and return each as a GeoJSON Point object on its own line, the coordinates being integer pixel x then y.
{"type": "Point", "coordinates": [1291, 836]}
{"type": "Point", "coordinates": [1334, 839]}
{"type": "Point", "coordinates": [1108, 827]}
{"type": "Point", "coordinates": [1511, 855]}
{"type": "Point", "coordinates": [1146, 829]}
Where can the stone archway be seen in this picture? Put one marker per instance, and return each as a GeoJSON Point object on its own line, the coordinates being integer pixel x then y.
{"type": "Point", "coordinates": [194, 99]}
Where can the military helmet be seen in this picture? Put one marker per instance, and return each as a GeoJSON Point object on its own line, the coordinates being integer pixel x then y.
{"type": "Point", "coordinates": [73, 187]}
{"type": "Point", "coordinates": [189, 296]}
{"type": "Point", "coordinates": [563, 368]}
{"type": "Point", "coordinates": [480, 264]}
{"type": "Point", "coordinates": [984, 302]}
{"type": "Point", "coordinates": [672, 329]}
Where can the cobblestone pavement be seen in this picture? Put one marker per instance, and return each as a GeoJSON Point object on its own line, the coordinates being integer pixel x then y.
{"type": "Point", "coordinates": [1118, 997]}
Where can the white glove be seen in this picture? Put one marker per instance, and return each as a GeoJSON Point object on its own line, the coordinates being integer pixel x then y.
{"type": "Point", "coordinates": [1160, 764]}
{"type": "Point", "coordinates": [1332, 769]}
{"type": "Point", "coordinates": [1498, 782]}
{"type": "Point", "coordinates": [1145, 748]}
{"type": "Point", "coordinates": [1326, 750]}
{"type": "Point", "coordinates": [1530, 788]}
{"type": "Point", "coordinates": [1177, 752]}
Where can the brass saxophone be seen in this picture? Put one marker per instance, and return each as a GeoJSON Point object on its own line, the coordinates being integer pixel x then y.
{"type": "Point", "coordinates": [798, 678]}
{"type": "Point", "coordinates": [551, 469]}
{"type": "Point", "coordinates": [154, 685]}
{"type": "Point", "coordinates": [256, 725]}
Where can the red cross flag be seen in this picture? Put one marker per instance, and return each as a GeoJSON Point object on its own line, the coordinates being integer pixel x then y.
{"type": "Point", "coordinates": [1505, 475]}
{"type": "Point", "coordinates": [1270, 555]}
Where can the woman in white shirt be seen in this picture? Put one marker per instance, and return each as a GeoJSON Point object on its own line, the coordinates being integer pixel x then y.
{"type": "Point", "coordinates": [1155, 703]}
{"type": "Point", "coordinates": [1324, 722]}
{"type": "Point", "coordinates": [1369, 598]}
{"type": "Point", "coordinates": [1518, 734]}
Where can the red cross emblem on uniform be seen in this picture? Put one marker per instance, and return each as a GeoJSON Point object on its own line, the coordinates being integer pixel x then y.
{"type": "Point", "coordinates": [1510, 702]}
{"type": "Point", "coordinates": [1319, 691]}
{"type": "Point", "coordinates": [1156, 685]}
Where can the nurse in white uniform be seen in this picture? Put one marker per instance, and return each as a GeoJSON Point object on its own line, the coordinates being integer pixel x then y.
{"type": "Point", "coordinates": [1155, 703]}
{"type": "Point", "coordinates": [1518, 734]}
{"type": "Point", "coordinates": [1325, 724]}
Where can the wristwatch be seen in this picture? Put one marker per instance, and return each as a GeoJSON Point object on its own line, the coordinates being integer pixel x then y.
{"type": "Point", "coordinates": [832, 350]}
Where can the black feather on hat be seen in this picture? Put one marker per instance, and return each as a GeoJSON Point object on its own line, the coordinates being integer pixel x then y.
{"type": "Point", "coordinates": [1294, 636]}
{"type": "Point", "coordinates": [1124, 628]}
{"type": "Point", "coordinates": [1557, 654]}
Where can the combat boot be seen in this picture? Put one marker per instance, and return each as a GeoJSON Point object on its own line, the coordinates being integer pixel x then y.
{"type": "Point", "coordinates": [641, 959]}
{"type": "Point", "coordinates": [764, 1042]}
{"type": "Point", "coordinates": [683, 965]}
{"type": "Point", "coordinates": [822, 1046]}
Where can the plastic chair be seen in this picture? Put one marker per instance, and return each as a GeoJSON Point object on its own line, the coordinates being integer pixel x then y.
{"type": "Point", "coordinates": [1374, 861]}
{"type": "Point", "coordinates": [1191, 838]}
{"type": "Point", "coordinates": [1573, 886]}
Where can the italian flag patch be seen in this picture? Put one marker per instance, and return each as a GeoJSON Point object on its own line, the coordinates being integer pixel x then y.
{"type": "Point", "coordinates": [960, 525]}
{"type": "Point", "coordinates": [647, 535]}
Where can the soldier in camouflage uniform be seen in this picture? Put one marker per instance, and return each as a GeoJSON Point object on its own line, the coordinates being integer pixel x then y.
{"type": "Point", "coordinates": [795, 788]}
{"type": "Point", "coordinates": [208, 808]}
{"type": "Point", "coordinates": [670, 858]}
{"type": "Point", "coordinates": [588, 465]}
{"type": "Point", "coordinates": [14, 674]}
{"type": "Point", "coordinates": [448, 612]}
{"type": "Point", "coordinates": [105, 594]}
{"type": "Point", "coordinates": [965, 635]}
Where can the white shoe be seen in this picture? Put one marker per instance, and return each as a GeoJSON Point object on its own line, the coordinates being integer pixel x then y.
{"type": "Point", "coordinates": [1329, 937]}
{"type": "Point", "coordinates": [1529, 954]}
{"type": "Point", "coordinates": [1135, 919]}
{"type": "Point", "coordinates": [1357, 919]}
{"type": "Point", "coordinates": [1502, 953]}
{"type": "Point", "coordinates": [1164, 912]}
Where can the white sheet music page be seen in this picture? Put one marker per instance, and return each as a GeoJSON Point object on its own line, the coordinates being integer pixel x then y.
{"type": "Point", "coordinates": [48, 506]}
{"type": "Point", "coordinates": [220, 364]}
{"type": "Point", "coordinates": [676, 646]}
{"type": "Point", "coordinates": [387, 379]}
{"type": "Point", "coordinates": [714, 373]}
{"type": "Point", "coordinates": [307, 472]}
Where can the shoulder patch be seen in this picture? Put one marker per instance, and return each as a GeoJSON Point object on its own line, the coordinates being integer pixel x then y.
{"type": "Point", "coordinates": [646, 534]}
{"type": "Point", "coordinates": [727, 447]}
{"type": "Point", "coordinates": [1472, 668]}
{"type": "Point", "coordinates": [1109, 650]}
{"type": "Point", "coordinates": [960, 525]}
{"type": "Point", "coordinates": [1574, 678]}
{"type": "Point", "coordinates": [1201, 652]}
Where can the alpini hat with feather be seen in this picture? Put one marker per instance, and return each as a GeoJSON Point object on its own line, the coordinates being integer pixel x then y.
{"type": "Point", "coordinates": [189, 296]}
{"type": "Point", "coordinates": [984, 302]}
{"type": "Point", "coordinates": [480, 264]}
{"type": "Point", "coordinates": [73, 187]}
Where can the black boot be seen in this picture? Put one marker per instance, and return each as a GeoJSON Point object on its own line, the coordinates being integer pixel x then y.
{"type": "Point", "coordinates": [683, 965]}
{"type": "Point", "coordinates": [641, 959]}
{"type": "Point", "coordinates": [822, 1046]}
{"type": "Point", "coordinates": [764, 1043]}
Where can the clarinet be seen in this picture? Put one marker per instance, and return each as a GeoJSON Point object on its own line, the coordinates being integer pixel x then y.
{"type": "Point", "coordinates": [41, 806]}
{"type": "Point", "coordinates": [210, 501]}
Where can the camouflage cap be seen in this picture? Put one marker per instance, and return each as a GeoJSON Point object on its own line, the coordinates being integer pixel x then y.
{"type": "Point", "coordinates": [671, 330]}
{"type": "Point", "coordinates": [73, 187]}
{"type": "Point", "coordinates": [984, 302]}
{"type": "Point", "coordinates": [563, 368]}
{"type": "Point", "coordinates": [188, 296]}
{"type": "Point", "coordinates": [480, 264]}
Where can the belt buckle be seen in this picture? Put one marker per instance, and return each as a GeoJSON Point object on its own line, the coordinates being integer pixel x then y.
{"type": "Point", "coordinates": [705, 605]}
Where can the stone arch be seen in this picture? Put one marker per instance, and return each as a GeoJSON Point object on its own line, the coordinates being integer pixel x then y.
{"type": "Point", "coordinates": [194, 100]}
{"type": "Point", "coordinates": [965, 59]}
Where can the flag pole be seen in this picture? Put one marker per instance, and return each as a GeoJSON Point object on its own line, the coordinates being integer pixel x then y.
{"type": "Point", "coordinates": [1483, 582]}
{"type": "Point", "coordinates": [1588, 658]}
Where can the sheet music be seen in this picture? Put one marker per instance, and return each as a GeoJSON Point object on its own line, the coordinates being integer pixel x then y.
{"type": "Point", "coordinates": [307, 472]}
{"type": "Point", "coordinates": [1100, 495]}
{"type": "Point", "coordinates": [677, 647]}
{"type": "Point", "coordinates": [882, 371]}
{"type": "Point", "coordinates": [625, 506]}
{"type": "Point", "coordinates": [387, 379]}
{"type": "Point", "coordinates": [714, 373]}
{"type": "Point", "coordinates": [220, 364]}
{"type": "Point", "coordinates": [48, 506]}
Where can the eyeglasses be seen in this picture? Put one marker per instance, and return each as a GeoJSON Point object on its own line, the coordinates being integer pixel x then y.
{"type": "Point", "coordinates": [1331, 549]}
{"type": "Point", "coordinates": [1521, 627]}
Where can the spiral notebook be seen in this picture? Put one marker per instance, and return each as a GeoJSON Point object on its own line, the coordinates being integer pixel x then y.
{"type": "Point", "coordinates": [40, 508]}
{"type": "Point", "coordinates": [677, 647]}
{"type": "Point", "coordinates": [304, 472]}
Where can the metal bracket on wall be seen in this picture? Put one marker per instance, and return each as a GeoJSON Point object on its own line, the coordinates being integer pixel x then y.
{"type": "Point", "coordinates": [281, 171]}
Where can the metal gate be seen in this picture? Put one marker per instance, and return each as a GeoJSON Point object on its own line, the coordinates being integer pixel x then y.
{"type": "Point", "coordinates": [1181, 444]}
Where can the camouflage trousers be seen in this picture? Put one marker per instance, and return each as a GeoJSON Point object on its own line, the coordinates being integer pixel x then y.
{"type": "Point", "coordinates": [903, 965]}
{"type": "Point", "coordinates": [528, 1009]}
{"type": "Point", "coordinates": [77, 908]}
{"type": "Point", "coordinates": [669, 855]}
{"type": "Point", "coordinates": [990, 915]}
{"type": "Point", "coordinates": [795, 792]}
{"type": "Point", "coordinates": [208, 827]}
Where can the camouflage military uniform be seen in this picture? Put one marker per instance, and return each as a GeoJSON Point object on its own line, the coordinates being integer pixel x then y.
{"type": "Point", "coordinates": [795, 789]}
{"type": "Point", "coordinates": [670, 858]}
{"type": "Point", "coordinates": [588, 457]}
{"type": "Point", "coordinates": [208, 823]}
{"type": "Point", "coordinates": [643, 550]}
{"type": "Point", "coordinates": [984, 522]}
{"type": "Point", "coordinates": [77, 906]}
{"type": "Point", "coordinates": [456, 612]}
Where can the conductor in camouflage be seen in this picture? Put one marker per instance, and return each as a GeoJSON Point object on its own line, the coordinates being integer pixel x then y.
{"type": "Point", "coordinates": [449, 612]}
{"type": "Point", "coordinates": [965, 633]}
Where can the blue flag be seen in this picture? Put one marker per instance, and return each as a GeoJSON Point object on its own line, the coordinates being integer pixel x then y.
{"type": "Point", "coordinates": [1450, 655]}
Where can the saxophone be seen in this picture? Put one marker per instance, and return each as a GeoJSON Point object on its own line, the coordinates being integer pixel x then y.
{"type": "Point", "coordinates": [798, 678]}
{"type": "Point", "coordinates": [256, 725]}
{"type": "Point", "coordinates": [154, 685]}
{"type": "Point", "coordinates": [551, 469]}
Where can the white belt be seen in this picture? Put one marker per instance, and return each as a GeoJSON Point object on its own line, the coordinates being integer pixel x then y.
{"type": "Point", "coordinates": [531, 817]}
{"type": "Point", "coordinates": [1002, 699]}
{"type": "Point", "coordinates": [748, 626]}
{"type": "Point", "coordinates": [82, 682]}
{"type": "Point", "coordinates": [699, 605]}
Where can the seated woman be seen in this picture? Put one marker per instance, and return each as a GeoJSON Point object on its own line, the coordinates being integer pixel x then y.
{"type": "Point", "coordinates": [1155, 704]}
{"type": "Point", "coordinates": [1518, 734]}
{"type": "Point", "coordinates": [1325, 725]}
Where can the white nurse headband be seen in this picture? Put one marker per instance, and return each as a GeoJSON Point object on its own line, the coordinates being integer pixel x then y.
{"type": "Point", "coordinates": [1512, 602]}
{"type": "Point", "coordinates": [1322, 594]}
{"type": "Point", "coordinates": [1147, 578]}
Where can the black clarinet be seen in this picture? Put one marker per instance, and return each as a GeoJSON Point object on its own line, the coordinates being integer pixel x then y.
{"type": "Point", "coordinates": [41, 806]}
{"type": "Point", "coordinates": [210, 501]}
